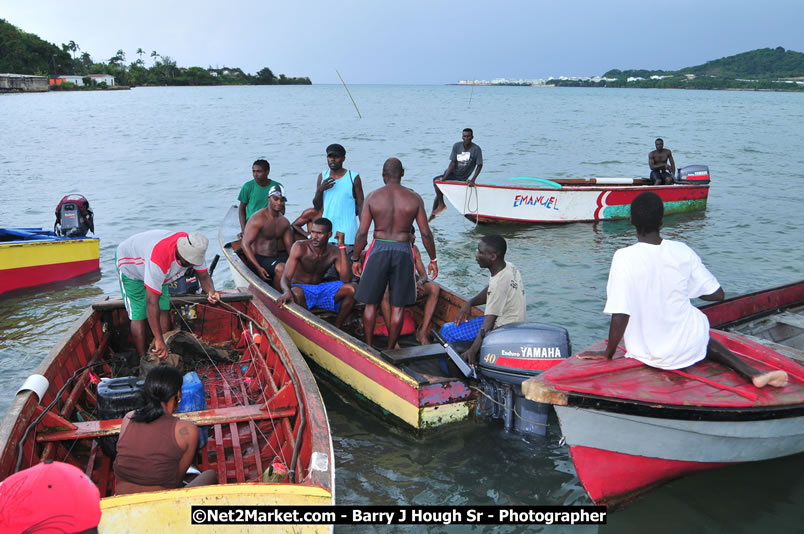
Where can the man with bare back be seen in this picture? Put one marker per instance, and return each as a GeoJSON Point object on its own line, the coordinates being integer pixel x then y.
{"type": "Point", "coordinates": [661, 172]}
{"type": "Point", "coordinates": [265, 230]}
{"type": "Point", "coordinates": [302, 280]}
{"type": "Point", "coordinates": [389, 260]}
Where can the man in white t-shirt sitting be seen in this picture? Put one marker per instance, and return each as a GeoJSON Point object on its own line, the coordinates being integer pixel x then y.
{"type": "Point", "coordinates": [649, 291]}
{"type": "Point", "coordinates": [504, 298]}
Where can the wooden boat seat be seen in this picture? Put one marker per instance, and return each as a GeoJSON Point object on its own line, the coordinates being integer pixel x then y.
{"type": "Point", "coordinates": [409, 354]}
{"type": "Point", "coordinates": [110, 427]}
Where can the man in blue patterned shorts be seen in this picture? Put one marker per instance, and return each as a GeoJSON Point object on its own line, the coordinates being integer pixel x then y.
{"type": "Point", "coordinates": [302, 279]}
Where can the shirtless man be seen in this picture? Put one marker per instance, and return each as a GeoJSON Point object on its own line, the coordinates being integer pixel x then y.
{"type": "Point", "coordinates": [265, 230]}
{"type": "Point", "coordinates": [302, 281]}
{"type": "Point", "coordinates": [389, 261]}
{"type": "Point", "coordinates": [660, 171]}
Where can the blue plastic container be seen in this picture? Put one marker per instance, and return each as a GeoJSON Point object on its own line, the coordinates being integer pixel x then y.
{"type": "Point", "coordinates": [193, 400]}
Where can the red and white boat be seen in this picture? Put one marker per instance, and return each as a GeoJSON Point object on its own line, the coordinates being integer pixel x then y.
{"type": "Point", "coordinates": [630, 427]}
{"type": "Point", "coordinates": [537, 200]}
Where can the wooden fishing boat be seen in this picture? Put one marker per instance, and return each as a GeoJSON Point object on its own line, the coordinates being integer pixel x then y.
{"type": "Point", "coordinates": [533, 200]}
{"type": "Point", "coordinates": [263, 408]}
{"type": "Point", "coordinates": [630, 427]}
{"type": "Point", "coordinates": [34, 256]}
{"type": "Point", "coordinates": [407, 386]}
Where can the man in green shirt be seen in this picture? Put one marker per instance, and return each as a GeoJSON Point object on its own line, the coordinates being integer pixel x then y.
{"type": "Point", "coordinates": [254, 194]}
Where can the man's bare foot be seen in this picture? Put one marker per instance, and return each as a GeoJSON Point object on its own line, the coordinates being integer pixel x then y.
{"type": "Point", "coordinates": [436, 211]}
{"type": "Point", "coordinates": [776, 379]}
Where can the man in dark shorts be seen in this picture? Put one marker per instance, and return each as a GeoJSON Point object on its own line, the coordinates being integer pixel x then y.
{"type": "Point", "coordinates": [662, 166]}
{"type": "Point", "coordinates": [265, 230]}
{"type": "Point", "coordinates": [464, 158]}
{"type": "Point", "coordinates": [389, 260]}
{"type": "Point", "coordinates": [302, 281]}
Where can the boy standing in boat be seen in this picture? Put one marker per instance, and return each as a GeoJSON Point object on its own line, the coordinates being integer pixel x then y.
{"type": "Point", "coordinates": [339, 194]}
{"type": "Point", "coordinates": [389, 260]}
{"type": "Point", "coordinates": [146, 263]}
{"type": "Point", "coordinates": [464, 158]}
{"type": "Point", "coordinates": [302, 281]}
{"type": "Point", "coordinates": [661, 172]}
{"type": "Point", "coordinates": [254, 193]}
{"type": "Point", "coordinates": [649, 290]}
{"type": "Point", "coordinates": [267, 236]}
{"type": "Point", "coordinates": [504, 297]}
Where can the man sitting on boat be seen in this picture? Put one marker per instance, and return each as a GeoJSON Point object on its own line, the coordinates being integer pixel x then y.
{"type": "Point", "coordinates": [662, 166]}
{"type": "Point", "coordinates": [254, 193]}
{"type": "Point", "coordinates": [302, 280]}
{"type": "Point", "coordinates": [649, 290]}
{"type": "Point", "coordinates": [146, 263]}
{"type": "Point", "coordinates": [504, 297]}
{"type": "Point", "coordinates": [389, 260]}
{"type": "Point", "coordinates": [267, 236]}
{"type": "Point", "coordinates": [464, 158]}
{"type": "Point", "coordinates": [156, 448]}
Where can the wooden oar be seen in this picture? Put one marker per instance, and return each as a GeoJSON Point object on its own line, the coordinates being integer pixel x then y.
{"type": "Point", "coordinates": [545, 181]}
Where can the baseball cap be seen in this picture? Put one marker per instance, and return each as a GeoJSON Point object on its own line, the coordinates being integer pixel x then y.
{"type": "Point", "coordinates": [336, 149]}
{"type": "Point", "coordinates": [193, 248]}
{"type": "Point", "coordinates": [277, 191]}
{"type": "Point", "coordinates": [49, 497]}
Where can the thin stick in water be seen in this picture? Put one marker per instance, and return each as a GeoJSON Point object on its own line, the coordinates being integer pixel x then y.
{"type": "Point", "coordinates": [349, 93]}
{"type": "Point", "coordinates": [470, 94]}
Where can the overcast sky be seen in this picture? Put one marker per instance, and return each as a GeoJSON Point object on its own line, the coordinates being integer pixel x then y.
{"type": "Point", "coordinates": [418, 41]}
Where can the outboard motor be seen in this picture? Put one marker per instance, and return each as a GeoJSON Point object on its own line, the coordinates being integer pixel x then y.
{"type": "Point", "coordinates": [73, 217]}
{"type": "Point", "coordinates": [188, 284]}
{"type": "Point", "coordinates": [693, 174]}
{"type": "Point", "coordinates": [510, 355]}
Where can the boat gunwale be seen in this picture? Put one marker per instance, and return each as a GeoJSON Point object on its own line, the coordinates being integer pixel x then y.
{"type": "Point", "coordinates": [357, 346]}
{"type": "Point", "coordinates": [571, 187]}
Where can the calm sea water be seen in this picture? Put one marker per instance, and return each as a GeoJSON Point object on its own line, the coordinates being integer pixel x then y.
{"type": "Point", "coordinates": [176, 158]}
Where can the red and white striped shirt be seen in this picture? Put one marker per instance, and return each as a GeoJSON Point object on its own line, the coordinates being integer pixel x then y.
{"type": "Point", "coordinates": [151, 257]}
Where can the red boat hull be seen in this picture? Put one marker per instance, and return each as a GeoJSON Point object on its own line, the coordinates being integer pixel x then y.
{"type": "Point", "coordinates": [610, 477]}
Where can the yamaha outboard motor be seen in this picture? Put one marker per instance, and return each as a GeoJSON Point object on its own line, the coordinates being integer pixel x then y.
{"type": "Point", "coordinates": [73, 217]}
{"type": "Point", "coordinates": [510, 355]}
{"type": "Point", "coordinates": [693, 174]}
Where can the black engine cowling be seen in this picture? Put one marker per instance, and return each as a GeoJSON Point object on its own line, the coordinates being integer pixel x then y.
{"type": "Point", "coordinates": [510, 355]}
{"type": "Point", "coordinates": [693, 174]}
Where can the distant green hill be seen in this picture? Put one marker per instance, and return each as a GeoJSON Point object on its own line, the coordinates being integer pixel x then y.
{"type": "Point", "coordinates": [26, 53]}
{"type": "Point", "coordinates": [761, 64]}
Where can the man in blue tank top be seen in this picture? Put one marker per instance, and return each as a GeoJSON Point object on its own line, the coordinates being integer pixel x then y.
{"type": "Point", "coordinates": [339, 192]}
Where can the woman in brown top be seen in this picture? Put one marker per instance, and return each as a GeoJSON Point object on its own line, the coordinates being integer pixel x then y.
{"type": "Point", "coordinates": [155, 448]}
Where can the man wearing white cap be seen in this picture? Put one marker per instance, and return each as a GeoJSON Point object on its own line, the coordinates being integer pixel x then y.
{"type": "Point", "coordinates": [146, 263]}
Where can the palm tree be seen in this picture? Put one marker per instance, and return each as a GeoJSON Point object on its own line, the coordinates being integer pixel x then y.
{"type": "Point", "coordinates": [73, 47]}
{"type": "Point", "coordinates": [154, 55]}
